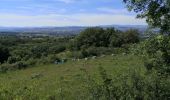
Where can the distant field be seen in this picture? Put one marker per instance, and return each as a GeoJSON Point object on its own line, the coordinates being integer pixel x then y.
{"type": "Point", "coordinates": [66, 81]}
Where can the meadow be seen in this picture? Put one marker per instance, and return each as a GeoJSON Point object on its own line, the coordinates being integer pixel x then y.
{"type": "Point", "coordinates": [106, 65]}
{"type": "Point", "coordinates": [98, 63]}
{"type": "Point", "coordinates": [64, 81]}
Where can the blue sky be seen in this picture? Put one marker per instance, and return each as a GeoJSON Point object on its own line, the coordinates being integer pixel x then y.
{"type": "Point", "coordinates": [65, 13]}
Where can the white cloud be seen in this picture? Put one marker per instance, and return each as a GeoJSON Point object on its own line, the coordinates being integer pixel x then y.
{"type": "Point", "coordinates": [80, 19]}
{"type": "Point", "coordinates": [113, 11]}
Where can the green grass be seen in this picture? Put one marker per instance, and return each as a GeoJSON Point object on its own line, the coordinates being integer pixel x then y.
{"type": "Point", "coordinates": [66, 81]}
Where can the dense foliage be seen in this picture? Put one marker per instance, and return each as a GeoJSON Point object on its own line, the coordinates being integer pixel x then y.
{"type": "Point", "coordinates": [4, 54]}
{"type": "Point", "coordinates": [157, 49]}
{"type": "Point", "coordinates": [19, 53]}
{"type": "Point", "coordinates": [132, 85]}
{"type": "Point", "coordinates": [96, 41]}
{"type": "Point", "coordinates": [156, 12]}
{"type": "Point", "coordinates": [99, 37]}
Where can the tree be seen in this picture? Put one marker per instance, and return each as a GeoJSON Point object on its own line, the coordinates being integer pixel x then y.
{"type": "Point", "coordinates": [131, 36]}
{"type": "Point", "coordinates": [4, 54]}
{"type": "Point", "coordinates": [116, 39]}
{"type": "Point", "coordinates": [98, 37]}
{"type": "Point", "coordinates": [156, 12]}
{"type": "Point", "coordinates": [109, 33]}
{"type": "Point", "coordinates": [91, 37]}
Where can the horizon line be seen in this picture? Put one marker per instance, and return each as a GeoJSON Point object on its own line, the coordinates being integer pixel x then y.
{"type": "Point", "coordinates": [74, 26]}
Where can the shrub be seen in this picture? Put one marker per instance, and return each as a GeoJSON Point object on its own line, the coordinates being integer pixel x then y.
{"type": "Point", "coordinates": [15, 66]}
{"type": "Point", "coordinates": [57, 49]}
{"type": "Point", "coordinates": [4, 68]}
{"type": "Point", "coordinates": [92, 51]}
{"type": "Point", "coordinates": [39, 51]}
{"type": "Point", "coordinates": [119, 50]}
{"type": "Point", "coordinates": [157, 49]}
{"type": "Point", "coordinates": [31, 62]}
{"type": "Point", "coordinates": [77, 54]}
{"type": "Point", "coordinates": [132, 85]}
{"type": "Point", "coordinates": [20, 65]}
{"type": "Point", "coordinates": [53, 58]}
{"type": "Point", "coordinates": [137, 49]}
{"type": "Point", "coordinates": [12, 59]}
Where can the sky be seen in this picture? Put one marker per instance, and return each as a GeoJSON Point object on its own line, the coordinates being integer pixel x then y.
{"type": "Point", "coordinates": [29, 13]}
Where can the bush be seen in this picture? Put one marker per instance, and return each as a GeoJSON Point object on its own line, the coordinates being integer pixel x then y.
{"type": "Point", "coordinates": [57, 49]}
{"type": "Point", "coordinates": [157, 49]}
{"type": "Point", "coordinates": [156, 53]}
{"type": "Point", "coordinates": [96, 51]}
{"type": "Point", "coordinates": [4, 68]}
{"type": "Point", "coordinates": [138, 49]}
{"type": "Point", "coordinates": [20, 65]}
{"type": "Point", "coordinates": [53, 58]}
{"type": "Point", "coordinates": [12, 59]}
{"type": "Point", "coordinates": [31, 62]}
{"type": "Point", "coordinates": [92, 51]}
{"type": "Point", "coordinates": [76, 54]}
{"type": "Point", "coordinates": [132, 85]}
{"type": "Point", "coordinates": [15, 66]}
{"type": "Point", "coordinates": [119, 50]}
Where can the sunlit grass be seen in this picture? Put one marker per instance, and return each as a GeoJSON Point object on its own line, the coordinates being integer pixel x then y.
{"type": "Point", "coordinates": [65, 81]}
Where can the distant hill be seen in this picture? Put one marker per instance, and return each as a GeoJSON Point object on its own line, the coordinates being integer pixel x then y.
{"type": "Point", "coordinates": [69, 30]}
{"type": "Point", "coordinates": [141, 28]}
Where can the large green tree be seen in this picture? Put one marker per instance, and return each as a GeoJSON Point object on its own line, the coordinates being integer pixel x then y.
{"type": "Point", "coordinates": [131, 36]}
{"type": "Point", "coordinates": [156, 12]}
{"type": "Point", "coordinates": [92, 37]}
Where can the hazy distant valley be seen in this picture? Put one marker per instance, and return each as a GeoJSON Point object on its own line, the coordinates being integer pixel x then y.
{"type": "Point", "coordinates": [61, 31]}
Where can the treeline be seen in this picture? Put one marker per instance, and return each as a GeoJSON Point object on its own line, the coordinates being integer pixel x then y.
{"type": "Point", "coordinates": [148, 83]}
{"type": "Point", "coordinates": [19, 53]}
{"type": "Point", "coordinates": [99, 37]}
{"type": "Point", "coordinates": [97, 41]}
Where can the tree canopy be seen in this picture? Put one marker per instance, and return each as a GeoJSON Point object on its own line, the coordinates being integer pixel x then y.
{"type": "Point", "coordinates": [4, 54]}
{"type": "Point", "coordinates": [103, 37]}
{"type": "Point", "coordinates": [156, 12]}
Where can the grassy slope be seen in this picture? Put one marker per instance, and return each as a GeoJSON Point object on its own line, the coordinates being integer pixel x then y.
{"type": "Point", "coordinates": [62, 81]}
